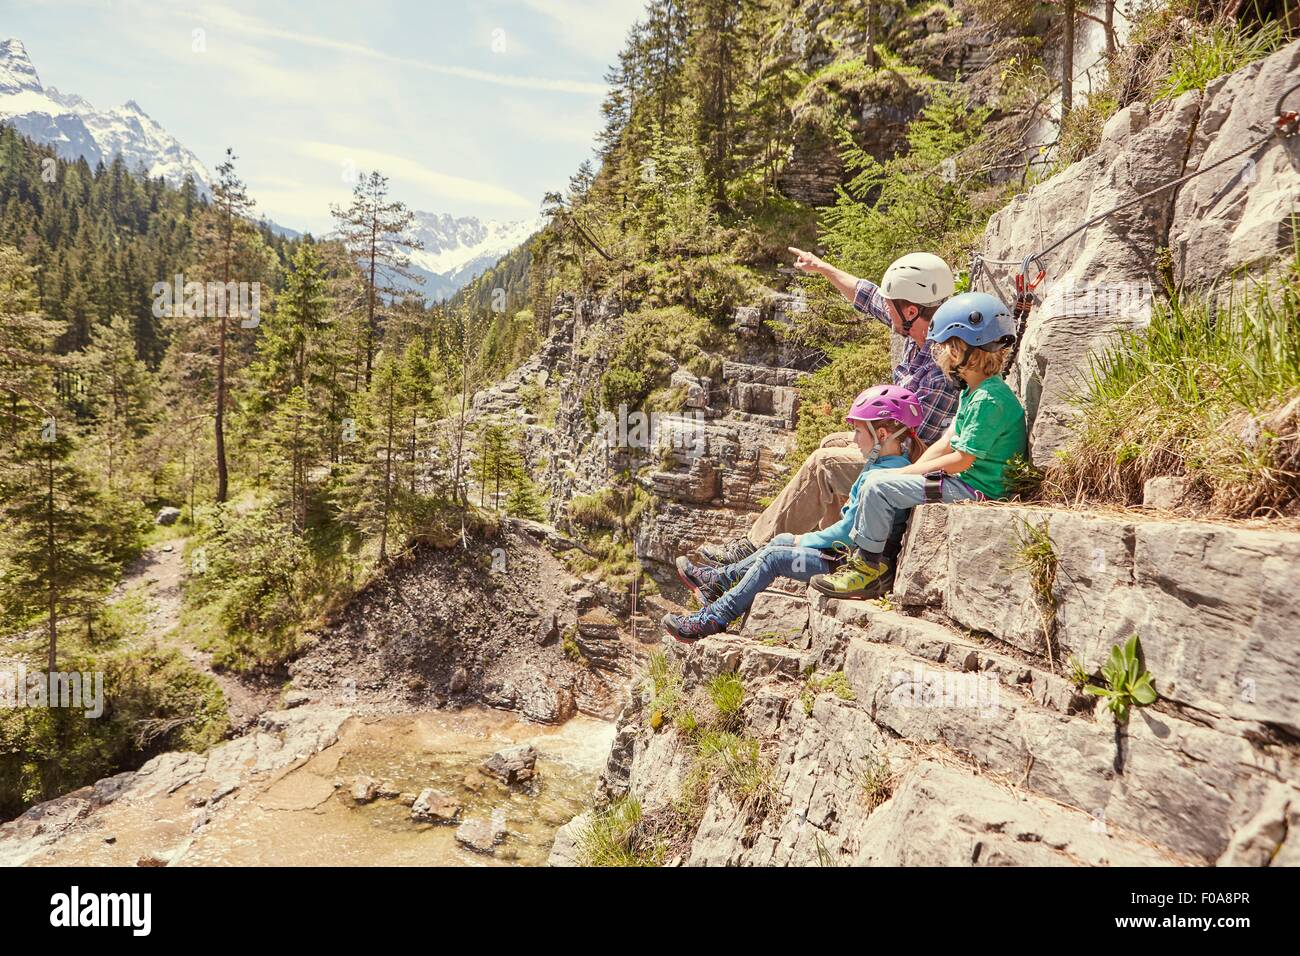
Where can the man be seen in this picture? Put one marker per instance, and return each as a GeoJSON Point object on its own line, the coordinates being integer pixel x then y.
{"type": "Point", "coordinates": [910, 291]}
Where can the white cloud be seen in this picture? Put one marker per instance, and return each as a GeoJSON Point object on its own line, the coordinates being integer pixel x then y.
{"type": "Point", "coordinates": [411, 172]}
{"type": "Point", "coordinates": [234, 21]}
{"type": "Point", "coordinates": [594, 26]}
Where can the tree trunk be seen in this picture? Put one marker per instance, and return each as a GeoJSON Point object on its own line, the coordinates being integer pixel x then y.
{"type": "Point", "coordinates": [370, 302]}
{"type": "Point", "coordinates": [223, 477]}
{"type": "Point", "coordinates": [1067, 60]}
{"type": "Point", "coordinates": [388, 480]}
{"type": "Point", "coordinates": [52, 566]}
{"type": "Point", "coordinates": [873, 31]}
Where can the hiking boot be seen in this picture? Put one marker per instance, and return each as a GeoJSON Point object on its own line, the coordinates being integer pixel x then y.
{"type": "Point", "coordinates": [704, 582]}
{"type": "Point", "coordinates": [859, 578]}
{"type": "Point", "coordinates": [689, 628]}
{"type": "Point", "coordinates": [729, 553]}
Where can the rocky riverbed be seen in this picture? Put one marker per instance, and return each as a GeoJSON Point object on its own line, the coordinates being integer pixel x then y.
{"type": "Point", "coordinates": [320, 786]}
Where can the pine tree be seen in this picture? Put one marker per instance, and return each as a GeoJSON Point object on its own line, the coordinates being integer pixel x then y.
{"type": "Point", "coordinates": [48, 511]}
{"type": "Point", "coordinates": [374, 230]}
{"type": "Point", "coordinates": [292, 336]}
{"type": "Point", "coordinates": [120, 391]}
{"type": "Point", "coordinates": [229, 248]}
{"type": "Point", "coordinates": [26, 336]}
{"type": "Point", "coordinates": [367, 494]}
{"type": "Point", "coordinates": [494, 462]}
{"type": "Point", "coordinates": [721, 41]}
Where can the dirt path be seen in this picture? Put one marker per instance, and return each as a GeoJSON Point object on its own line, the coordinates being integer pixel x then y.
{"type": "Point", "coordinates": [157, 575]}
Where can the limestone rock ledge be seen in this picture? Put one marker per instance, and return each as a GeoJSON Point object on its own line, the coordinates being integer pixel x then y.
{"type": "Point", "coordinates": [936, 729]}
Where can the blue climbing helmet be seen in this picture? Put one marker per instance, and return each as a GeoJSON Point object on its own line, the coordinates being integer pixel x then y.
{"type": "Point", "coordinates": [977, 318]}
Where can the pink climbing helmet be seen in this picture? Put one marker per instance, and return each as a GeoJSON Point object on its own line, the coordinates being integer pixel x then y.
{"type": "Point", "coordinates": [887, 402]}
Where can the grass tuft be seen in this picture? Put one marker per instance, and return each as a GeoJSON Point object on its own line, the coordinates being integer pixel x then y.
{"type": "Point", "coordinates": [1215, 49]}
{"type": "Point", "coordinates": [1036, 553]}
{"type": "Point", "coordinates": [1209, 391]}
{"type": "Point", "coordinates": [615, 837]}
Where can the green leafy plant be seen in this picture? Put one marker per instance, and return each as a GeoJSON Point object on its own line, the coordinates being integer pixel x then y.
{"type": "Point", "coordinates": [569, 642]}
{"type": "Point", "coordinates": [1127, 683]}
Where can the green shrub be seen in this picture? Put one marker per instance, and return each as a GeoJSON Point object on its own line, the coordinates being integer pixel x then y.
{"type": "Point", "coordinates": [653, 343]}
{"type": "Point", "coordinates": [154, 701]}
{"type": "Point", "coordinates": [617, 507]}
{"type": "Point", "coordinates": [825, 396]}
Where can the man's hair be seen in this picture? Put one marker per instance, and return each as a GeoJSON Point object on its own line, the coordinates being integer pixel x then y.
{"type": "Point", "coordinates": [925, 312]}
{"type": "Point", "coordinates": [947, 355]}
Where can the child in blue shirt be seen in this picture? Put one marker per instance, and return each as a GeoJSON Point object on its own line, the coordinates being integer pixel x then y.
{"type": "Point", "coordinates": [881, 418]}
{"type": "Point", "coordinates": [971, 333]}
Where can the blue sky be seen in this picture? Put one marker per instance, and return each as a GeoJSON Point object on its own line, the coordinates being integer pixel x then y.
{"type": "Point", "coordinates": [473, 107]}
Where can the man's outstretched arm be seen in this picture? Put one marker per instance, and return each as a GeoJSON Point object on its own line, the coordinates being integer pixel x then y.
{"type": "Point", "coordinates": [862, 294]}
{"type": "Point", "coordinates": [846, 284]}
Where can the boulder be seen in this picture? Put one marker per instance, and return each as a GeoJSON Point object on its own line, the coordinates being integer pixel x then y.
{"type": "Point", "coordinates": [435, 806]}
{"type": "Point", "coordinates": [364, 789]}
{"type": "Point", "coordinates": [1163, 493]}
{"type": "Point", "coordinates": [512, 766]}
{"type": "Point", "coordinates": [167, 515]}
{"type": "Point", "coordinates": [566, 851]}
{"type": "Point", "coordinates": [481, 834]}
{"type": "Point", "coordinates": [547, 631]}
{"type": "Point", "coordinates": [1214, 604]}
{"type": "Point", "coordinates": [1101, 281]}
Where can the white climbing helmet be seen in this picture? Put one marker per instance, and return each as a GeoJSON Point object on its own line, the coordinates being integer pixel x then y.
{"type": "Point", "coordinates": [921, 278]}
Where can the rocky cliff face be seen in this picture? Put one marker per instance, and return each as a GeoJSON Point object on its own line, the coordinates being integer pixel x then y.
{"type": "Point", "coordinates": [708, 465]}
{"type": "Point", "coordinates": [1101, 280]}
{"type": "Point", "coordinates": [946, 725]}
{"type": "Point", "coordinates": [942, 729]}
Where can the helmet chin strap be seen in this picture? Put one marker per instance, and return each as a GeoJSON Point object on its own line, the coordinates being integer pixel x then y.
{"type": "Point", "coordinates": [955, 374]}
{"type": "Point", "coordinates": [874, 455]}
{"type": "Point", "coordinates": [908, 323]}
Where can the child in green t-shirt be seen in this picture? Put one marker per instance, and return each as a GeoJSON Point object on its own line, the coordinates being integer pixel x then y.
{"type": "Point", "coordinates": [970, 335]}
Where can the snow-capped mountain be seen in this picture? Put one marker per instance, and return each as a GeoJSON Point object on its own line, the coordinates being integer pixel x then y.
{"type": "Point", "coordinates": [458, 248]}
{"type": "Point", "coordinates": [75, 129]}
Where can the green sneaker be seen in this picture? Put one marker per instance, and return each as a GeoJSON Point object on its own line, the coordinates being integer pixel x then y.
{"type": "Point", "coordinates": [856, 579]}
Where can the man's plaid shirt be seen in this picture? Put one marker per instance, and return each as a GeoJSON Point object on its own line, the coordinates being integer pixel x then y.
{"type": "Point", "coordinates": [917, 371]}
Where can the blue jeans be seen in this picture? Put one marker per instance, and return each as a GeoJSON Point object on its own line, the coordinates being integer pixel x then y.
{"type": "Point", "coordinates": [749, 578]}
{"type": "Point", "coordinates": [887, 496]}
